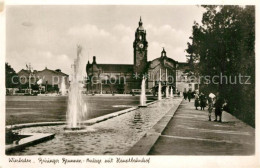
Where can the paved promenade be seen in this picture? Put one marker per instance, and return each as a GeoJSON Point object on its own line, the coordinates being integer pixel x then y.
{"type": "Point", "coordinates": [190, 133]}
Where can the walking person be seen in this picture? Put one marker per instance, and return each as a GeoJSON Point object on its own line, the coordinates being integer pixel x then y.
{"type": "Point", "coordinates": [202, 101]}
{"type": "Point", "coordinates": [189, 95]}
{"type": "Point", "coordinates": [219, 105]}
{"type": "Point", "coordinates": [185, 94]}
{"type": "Point", "coordinates": [211, 101]}
{"type": "Point", "coordinates": [197, 101]}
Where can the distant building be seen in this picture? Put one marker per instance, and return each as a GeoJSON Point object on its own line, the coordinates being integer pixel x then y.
{"type": "Point", "coordinates": [123, 78]}
{"type": "Point", "coordinates": [185, 80]}
{"type": "Point", "coordinates": [48, 80]}
{"type": "Point", "coordinates": [162, 64]}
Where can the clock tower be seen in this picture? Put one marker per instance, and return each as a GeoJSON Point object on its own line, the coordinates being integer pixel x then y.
{"type": "Point", "coordinates": [140, 50]}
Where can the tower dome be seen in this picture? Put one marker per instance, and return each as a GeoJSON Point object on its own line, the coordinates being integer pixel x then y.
{"type": "Point", "coordinates": [140, 28]}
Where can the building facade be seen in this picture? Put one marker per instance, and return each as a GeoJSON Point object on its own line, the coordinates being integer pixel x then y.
{"type": "Point", "coordinates": [46, 80]}
{"type": "Point", "coordinates": [124, 78]}
{"type": "Point", "coordinates": [185, 79]}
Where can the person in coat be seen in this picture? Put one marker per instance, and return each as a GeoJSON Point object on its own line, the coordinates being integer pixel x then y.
{"type": "Point", "coordinates": [211, 102]}
{"type": "Point", "coordinates": [219, 105]}
{"type": "Point", "coordinates": [189, 95]}
{"type": "Point", "coordinates": [197, 101]}
{"type": "Point", "coordinates": [202, 101]}
{"type": "Point", "coordinates": [185, 94]}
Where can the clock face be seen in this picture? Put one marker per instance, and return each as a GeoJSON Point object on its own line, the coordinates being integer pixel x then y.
{"type": "Point", "coordinates": [141, 45]}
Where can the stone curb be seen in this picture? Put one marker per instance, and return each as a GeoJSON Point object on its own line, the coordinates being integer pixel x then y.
{"type": "Point", "coordinates": [115, 95]}
{"type": "Point", "coordinates": [26, 125]}
{"type": "Point", "coordinates": [87, 122]}
{"type": "Point", "coordinates": [34, 138]}
{"type": "Point", "coordinates": [144, 145]}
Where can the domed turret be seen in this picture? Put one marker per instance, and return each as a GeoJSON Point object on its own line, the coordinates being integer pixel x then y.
{"type": "Point", "coordinates": [140, 28]}
{"type": "Point", "coordinates": [163, 53]}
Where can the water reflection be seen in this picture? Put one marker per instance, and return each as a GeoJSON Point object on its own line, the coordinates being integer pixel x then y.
{"type": "Point", "coordinates": [113, 136]}
{"type": "Point", "coordinates": [137, 122]}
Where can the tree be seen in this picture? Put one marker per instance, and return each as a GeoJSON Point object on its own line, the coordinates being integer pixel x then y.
{"type": "Point", "coordinates": [11, 77]}
{"type": "Point", "coordinates": [224, 44]}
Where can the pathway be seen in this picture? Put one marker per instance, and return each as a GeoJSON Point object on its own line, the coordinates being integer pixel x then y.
{"type": "Point", "coordinates": [190, 133]}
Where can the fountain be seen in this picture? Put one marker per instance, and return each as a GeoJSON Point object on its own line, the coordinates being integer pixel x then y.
{"type": "Point", "coordinates": [143, 97]}
{"type": "Point", "coordinates": [134, 123]}
{"type": "Point", "coordinates": [63, 89]}
{"type": "Point", "coordinates": [167, 87]}
{"type": "Point", "coordinates": [171, 92]}
{"type": "Point", "coordinates": [167, 92]}
{"type": "Point", "coordinates": [160, 87]}
{"type": "Point", "coordinates": [77, 108]}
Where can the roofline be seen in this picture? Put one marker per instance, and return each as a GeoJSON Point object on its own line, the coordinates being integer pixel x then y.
{"type": "Point", "coordinates": [117, 64]}
{"type": "Point", "coordinates": [183, 62]}
{"type": "Point", "coordinates": [165, 57]}
{"type": "Point", "coordinates": [53, 71]}
{"type": "Point", "coordinates": [61, 73]}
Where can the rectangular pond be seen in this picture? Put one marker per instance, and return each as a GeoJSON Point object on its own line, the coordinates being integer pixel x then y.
{"type": "Point", "coordinates": [114, 136]}
{"type": "Point", "coordinates": [28, 109]}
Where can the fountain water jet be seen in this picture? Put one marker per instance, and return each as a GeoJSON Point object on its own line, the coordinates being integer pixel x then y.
{"type": "Point", "coordinates": [159, 91]}
{"type": "Point", "coordinates": [171, 92]}
{"type": "Point", "coordinates": [167, 87]}
{"type": "Point", "coordinates": [77, 108]}
{"type": "Point", "coordinates": [167, 92]}
{"type": "Point", "coordinates": [63, 86]}
{"type": "Point", "coordinates": [160, 87]}
{"type": "Point", "coordinates": [143, 97]}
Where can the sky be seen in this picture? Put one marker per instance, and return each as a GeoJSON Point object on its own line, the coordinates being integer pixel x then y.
{"type": "Point", "coordinates": [47, 36]}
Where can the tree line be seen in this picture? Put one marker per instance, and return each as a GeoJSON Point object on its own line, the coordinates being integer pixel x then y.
{"type": "Point", "coordinates": [224, 43]}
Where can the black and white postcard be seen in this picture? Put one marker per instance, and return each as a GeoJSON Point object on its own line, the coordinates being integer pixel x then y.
{"type": "Point", "coordinates": [127, 84]}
